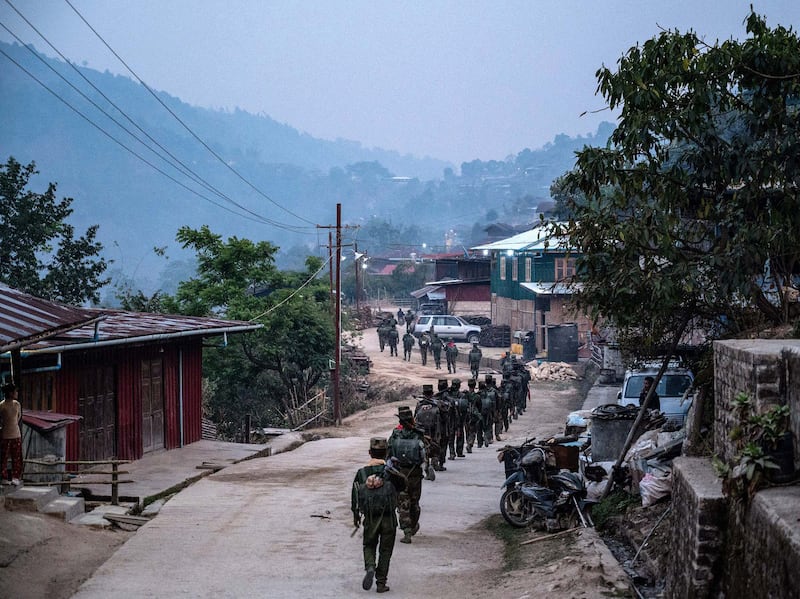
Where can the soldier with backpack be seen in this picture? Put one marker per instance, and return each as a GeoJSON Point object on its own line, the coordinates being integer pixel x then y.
{"type": "Point", "coordinates": [374, 499]}
{"type": "Point", "coordinates": [497, 416]}
{"type": "Point", "coordinates": [407, 448]}
{"type": "Point", "coordinates": [451, 353]}
{"type": "Point", "coordinates": [424, 344]}
{"type": "Point", "coordinates": [474, 357]}
{"type": "Point", "coordinates": [408, 345]}
{"type": "Point", "coordinates": [436, 347]}
{"type": "Point", "coordinates": [487, 415]}
{"type": "Point", "coordinates": [427, 417]}
{"type": "Point", "coordinates": [474, 421]}
{"type": "Point", "coordinates": [393, 337]}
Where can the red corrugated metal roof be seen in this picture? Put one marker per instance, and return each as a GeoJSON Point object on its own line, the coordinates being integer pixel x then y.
{"type": "Point", "coordinates": [47, 421]}
{"type": "Point", "coordinates": [23, 315]}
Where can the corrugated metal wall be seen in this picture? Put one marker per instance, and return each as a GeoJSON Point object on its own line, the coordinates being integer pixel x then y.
{"type": "Point", "coordinates": [127, 365]}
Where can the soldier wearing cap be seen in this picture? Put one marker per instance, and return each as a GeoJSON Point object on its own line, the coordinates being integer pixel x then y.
{"type": "Point", "coordinates": [380, 521]}
{"type": "Point", "coordinates": [428, 418]}
{"type": "Point", "coordinates": [436, 347]}
{"type": "Point", "coordinates": [407, 448]}
{"type": "Point", "coordinates": [487, 415]}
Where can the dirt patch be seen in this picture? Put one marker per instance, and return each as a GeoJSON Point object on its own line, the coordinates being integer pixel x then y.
{"type": "Point", "coordinates": [41, 556]}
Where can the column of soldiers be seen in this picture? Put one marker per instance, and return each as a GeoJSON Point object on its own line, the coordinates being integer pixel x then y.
{"type": "Point", "coordinates": [448, 421]}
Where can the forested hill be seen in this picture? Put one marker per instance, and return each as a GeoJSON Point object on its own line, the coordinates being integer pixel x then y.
{"type": "Point", "coordinates": [139, 208]}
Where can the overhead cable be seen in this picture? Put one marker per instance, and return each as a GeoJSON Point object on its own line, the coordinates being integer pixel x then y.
{"type": "Point", "coordinates": [183, 124]}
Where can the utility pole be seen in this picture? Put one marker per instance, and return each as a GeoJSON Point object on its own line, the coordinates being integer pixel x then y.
{"type": "Point", "coordinates": [358, 288]}
{"type": "Point", "coordinates": [336, 289]}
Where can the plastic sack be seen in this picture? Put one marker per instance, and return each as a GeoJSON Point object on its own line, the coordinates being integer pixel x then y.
{"type": "Point", "coordinates": [652, 488]}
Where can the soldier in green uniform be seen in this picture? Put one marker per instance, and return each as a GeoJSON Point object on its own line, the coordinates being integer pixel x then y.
{"type": "Point", "coordinates": [474, 419]}
{"type": "Point", "coordinates": [436, 347]}
{"type": "Point", "coordinates": [374, 498]}
{"type": "Point", "coordinates": [393, 337]}
{"type": "Point", "coordinates": [407, 447]}
{"type": "Point", "coordinates": [424, 344]}
{"type": "Point", "coordinates": [408, 345]}
{"type": "Point", "coordinates": [451, 353]}
{"type": "Point", "coordinates": [474, 358]}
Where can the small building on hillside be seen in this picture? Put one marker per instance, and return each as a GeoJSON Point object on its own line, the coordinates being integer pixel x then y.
{"type": "Point", "coordinates": [462, 284]}
{"type": "Point", "coordinates": [134, 379]}
{"type": "Point", "coordinates": [527, 289]}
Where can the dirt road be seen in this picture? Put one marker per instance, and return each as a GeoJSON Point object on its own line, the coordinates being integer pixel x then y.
{"type": "Point", "coordinates": [280, 526]}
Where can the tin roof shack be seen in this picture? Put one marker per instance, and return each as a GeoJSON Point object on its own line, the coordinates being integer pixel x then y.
{"type": "Point", "coordinates": [44, 439]}
{"type": "Point", "coordinates": [134, 379]}
{"type": "Point", "coordinates": [528, 290]}
{"type": "Point", "coordinates": [461, 285]}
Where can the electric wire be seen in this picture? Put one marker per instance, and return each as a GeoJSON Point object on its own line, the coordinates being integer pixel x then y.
{"type": "Point", "coordinates": [183, 124]}
{"type": "Point", "coordinates": [121, 144]}
{"type": "Point", "coordinates": [185, 170]}
{"type": "Point", "coordinates": [292, 294]}
{"type": "Point", "coordinates": [188, 172]}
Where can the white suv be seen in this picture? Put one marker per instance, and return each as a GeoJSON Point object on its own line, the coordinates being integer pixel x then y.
{"type": "Point", "coordinates": [447, 326]}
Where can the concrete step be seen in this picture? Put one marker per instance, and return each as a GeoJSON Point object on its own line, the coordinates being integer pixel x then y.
{"type": "Point", "coordinates": [95, 517]}
{"type": "Point", "coordinates": [65, 508]}
{"type": "Point", "coordinates": [30, 499]}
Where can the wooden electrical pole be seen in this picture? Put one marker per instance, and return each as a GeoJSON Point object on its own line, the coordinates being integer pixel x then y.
{"type": "Point", "coordinates": [335, 254]}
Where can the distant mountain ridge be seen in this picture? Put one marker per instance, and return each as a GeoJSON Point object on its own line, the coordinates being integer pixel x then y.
{"type": "Point", "coordinates": [299, 179]}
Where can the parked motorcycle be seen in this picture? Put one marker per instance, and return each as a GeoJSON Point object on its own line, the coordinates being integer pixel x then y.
{"type": "Point", "coordinates": [538, 494]}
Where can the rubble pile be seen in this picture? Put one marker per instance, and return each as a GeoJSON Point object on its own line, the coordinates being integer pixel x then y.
{"type": "Point", "coordinates": [551, 371]}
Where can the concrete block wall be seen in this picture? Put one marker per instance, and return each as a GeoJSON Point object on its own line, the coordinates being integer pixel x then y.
{"type": "Point", "coordinates": [700, 509]}
{"type": "Point", "coordinates": [766, 369]}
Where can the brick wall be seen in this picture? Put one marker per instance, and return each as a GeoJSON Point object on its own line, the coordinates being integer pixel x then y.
{"type": "Point", "coordinates": [766, 369]}
{"type": "Point", "coordinates": [700, 508]}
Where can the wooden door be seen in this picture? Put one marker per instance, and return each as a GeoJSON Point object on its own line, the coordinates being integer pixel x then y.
{"type": "Point", "coordinates": [152, 405]}
{"type": "Point", "coordinates": [97, 408]}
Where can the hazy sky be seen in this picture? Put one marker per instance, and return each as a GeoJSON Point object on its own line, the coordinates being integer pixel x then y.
{"type": "Point", "coordinates": [455, 80]}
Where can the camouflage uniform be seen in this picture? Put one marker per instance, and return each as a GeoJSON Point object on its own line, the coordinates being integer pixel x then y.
{"type": "Point", "coordinates": [474, 357]}
{"type": "Point", "coordinates": [445, 429]}
{"type": "Point", "coordinates": [487, 415]}
{"type": "Point", "coordinates": [428, 420]}
{"type": "Point", "coordinates": [460, 410]}
{"type": "Point", "coordinates": [424, 344]}
{"type": "Point", "coordinates": [408, 501]}
{"type": "Point", "coordinates": [408, 345]}
{"type": "Point", "coordinates": [497, 416]}
{"type": "Point", "coordinates": [379, 529]}
{"type": "Point", "coordinates": [451, 353]}
{"type": "Point", "coordinates": [393, 337]}
{"type": "Point", "coordinates": [474, 420]}
{"type": "Point", "coordinates": [436, 348]}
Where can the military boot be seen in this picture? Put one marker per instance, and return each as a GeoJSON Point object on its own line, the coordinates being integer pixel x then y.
{"type": "Point", "coordinates": [406, 538]}
{"type": "Point", "coordinates": [382, 588]}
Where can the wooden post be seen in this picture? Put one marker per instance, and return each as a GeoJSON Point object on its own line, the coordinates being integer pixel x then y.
{"type": "Point", "coordinates": [337, 416]}
{"type": "Point", "coordinates": [114, 483]}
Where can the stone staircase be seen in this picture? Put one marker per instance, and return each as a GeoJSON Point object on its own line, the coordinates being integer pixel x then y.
{"type": "Point", "coordinates": [47, 500]}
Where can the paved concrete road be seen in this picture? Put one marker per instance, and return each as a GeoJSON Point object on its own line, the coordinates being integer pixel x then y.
{"type": "Point", "coordinates": [251, 529]}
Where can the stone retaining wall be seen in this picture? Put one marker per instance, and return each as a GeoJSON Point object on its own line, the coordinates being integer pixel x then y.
{"type": "Point", "coordinates": [700, 512]}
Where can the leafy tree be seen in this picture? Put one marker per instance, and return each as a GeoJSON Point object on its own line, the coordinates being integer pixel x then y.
{"type": "Point", "coordinates": [39, 253]}
{"type": "Point", "coordinates": [690, 214]}
{"type": "Point", "coordinates": [272, 371]}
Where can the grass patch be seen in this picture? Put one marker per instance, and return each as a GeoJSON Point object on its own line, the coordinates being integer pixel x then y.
{"type": "Point", "coordinates": [511, 538]}
{"type": "Point", "coordinates": [616, 504]}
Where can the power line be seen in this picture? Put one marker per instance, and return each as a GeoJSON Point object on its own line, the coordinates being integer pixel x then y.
{"type": "Point", "coordinates": [291, 295]}
{"type": "Point", "coordinates": [121, 144]}
{"type": "Point", "coordinates": [185, 170]}
{"type": "Point", "coordinates": [183, 124]}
